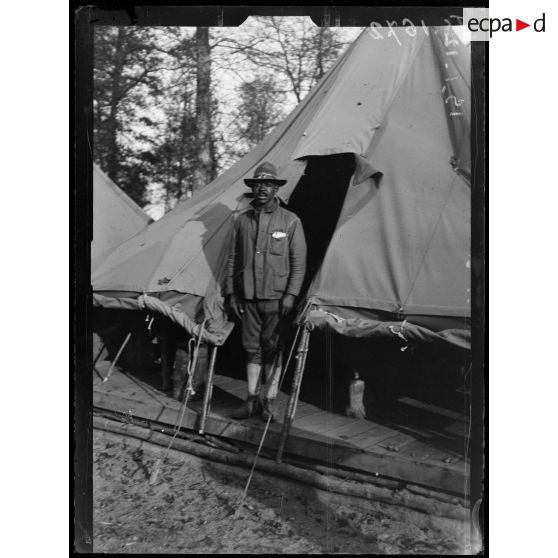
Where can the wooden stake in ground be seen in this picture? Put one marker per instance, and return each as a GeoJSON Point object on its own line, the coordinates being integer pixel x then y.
{"type": "Point", "coordinates": [117, 356]}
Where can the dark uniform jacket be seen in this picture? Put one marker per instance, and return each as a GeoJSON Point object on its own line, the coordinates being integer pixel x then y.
{"type": "Point", "coordinates": [267, 258]}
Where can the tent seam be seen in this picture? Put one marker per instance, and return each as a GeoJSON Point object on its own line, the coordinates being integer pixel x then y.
{"type": "Point", "coordinates": [427, 249]}
{"type": "Point", "coordinates": [402, 81]}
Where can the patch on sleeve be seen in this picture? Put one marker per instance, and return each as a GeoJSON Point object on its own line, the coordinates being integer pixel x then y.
{"type": "Point", "coordinates": [278, 234]}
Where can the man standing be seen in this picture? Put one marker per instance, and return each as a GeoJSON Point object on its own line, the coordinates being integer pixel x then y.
{"type": "Point", "coordinates": [266, 267]}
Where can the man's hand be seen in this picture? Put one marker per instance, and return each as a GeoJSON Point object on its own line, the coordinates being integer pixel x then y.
{"type": "Point", "coordinates": [287, 304]}
{"type": "Point", "coordinates": [236, 306]}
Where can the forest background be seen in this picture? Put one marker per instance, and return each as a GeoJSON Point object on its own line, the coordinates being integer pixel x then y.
{"type": "Point", "coordinates": [176, 106]}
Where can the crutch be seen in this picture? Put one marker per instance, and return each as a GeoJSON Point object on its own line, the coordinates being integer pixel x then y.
{"type": "Point", "coordinates": [302, 351]}
{"type": "Point", "coordinates": [208, 388]}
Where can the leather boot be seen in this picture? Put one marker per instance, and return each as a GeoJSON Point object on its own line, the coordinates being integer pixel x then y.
{"type": "Point", "coordinates": [269, 410]}
{"type": "Point", "coordinates": [248, 409]}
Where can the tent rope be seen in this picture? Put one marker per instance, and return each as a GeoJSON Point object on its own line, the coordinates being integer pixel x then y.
{"type": "Point", "coordinates": [189, 390]}
{"type": "Point", "coordinates": [147, 319]}
{"type": "Point", "coordinates": [285, 368]}
{"type": "Point", "coordinates": [398, 331]}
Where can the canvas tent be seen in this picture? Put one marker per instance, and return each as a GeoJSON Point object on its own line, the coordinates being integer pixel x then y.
{"type": "Point", "coordinates": [116, 217]}
{"type": "Point", "coordinates": [385, 135]}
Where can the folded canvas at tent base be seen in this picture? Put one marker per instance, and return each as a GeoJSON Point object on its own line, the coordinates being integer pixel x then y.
{"type": "Point", "coordinates": [116, 217]}
{"type": "Point", "coordinates": [400, 253]}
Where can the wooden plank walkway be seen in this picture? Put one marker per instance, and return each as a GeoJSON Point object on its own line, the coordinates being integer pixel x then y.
{"type": "Point", "coordinates": [417, 451]}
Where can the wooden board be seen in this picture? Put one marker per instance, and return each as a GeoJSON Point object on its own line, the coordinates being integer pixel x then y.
{"type": "Point", "coordinates": [355, 427]}
{"type": "Point", "coordinates": [373, 436]}
{"type": "Point", "coordinates": [432, 408]}
{"type": "Point", "coordinates": [436, 456]}
{"type": "Point", "coordinates": [223, 382]}
{"type": "Point", "coordinates": [458, 429]}
{"type": "Point", "coordinates": [148, 403]}
{"type": "Point", "coordinates": [321, 422]}
{"type": "Point", "coordinates": [396, 442]}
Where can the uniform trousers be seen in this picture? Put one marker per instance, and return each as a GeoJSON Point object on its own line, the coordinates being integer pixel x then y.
{"type": "Point", "coordinates": [262, 330]}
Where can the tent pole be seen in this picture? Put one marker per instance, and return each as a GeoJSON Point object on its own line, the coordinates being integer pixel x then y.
{"type": "Point", "coordinates": [117, 357]}
{"type": "Point", "coordinates": [208, 388]}
{"type": "Point", "coordinates": [295, 390]}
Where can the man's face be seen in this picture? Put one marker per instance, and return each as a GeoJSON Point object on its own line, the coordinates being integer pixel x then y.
{"type": "Point", "coordinates": [264, 192]}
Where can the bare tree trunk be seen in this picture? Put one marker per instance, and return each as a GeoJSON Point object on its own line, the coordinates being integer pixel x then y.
{"type": "Point", "coordinates": [180, 179]}
{"type": "Point", "coordinates": [213, 151]}
{"type": "Point", "coordinates": [204, 163]}
{"type": "Point", "coordinates": [320, 53]}
{"type": "Point", "coordinates": [112, 122]}
{"type": "Point", "coordinates": [169, 202]}
{"type": "Point", "coordinates": [99, 151]}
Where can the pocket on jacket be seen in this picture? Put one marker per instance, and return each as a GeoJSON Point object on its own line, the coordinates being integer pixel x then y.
{"type": "Point", "coordinates": [280, 282]}
{"type": "Point", "coordinates": [278, 244]}
{"type": "Point", "coordinates": [280, 273]}
{"type": "Point", "coordinates": [278, 263]}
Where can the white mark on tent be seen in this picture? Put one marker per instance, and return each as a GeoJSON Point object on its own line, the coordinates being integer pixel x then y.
{"type": "Point", "coordinates": [451, 78]}
{"type": "Point", "coordinates": [410, 28]}
{"type": "Point", "coordinates": [444, 89]}
{"type": "Point", "coordinates": [452, 52]}
{"type": "Point", "coordinates": [448, 41]}
{"type": "Point", "coordinates": [456, 114]}
{"type": "Point", "coordinates": [457, 102]}
{"type": "Point", "coordinates": [373, 30]}
{"type": "Point", "coordinates": [392, 32]}
{"type": "Point", "coordinates": [446, 65]}
{"type": "Point", "coordinates": [468, 265]}
{"type": "Point", "coordinates": [425, 28]}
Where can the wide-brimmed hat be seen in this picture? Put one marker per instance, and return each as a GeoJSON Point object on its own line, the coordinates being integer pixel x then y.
{"type": "Point", "coordinates": [266, 172]}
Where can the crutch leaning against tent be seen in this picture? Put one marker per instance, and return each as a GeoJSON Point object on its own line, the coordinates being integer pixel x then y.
{"type": "Point", "coordinates": [266, 267]}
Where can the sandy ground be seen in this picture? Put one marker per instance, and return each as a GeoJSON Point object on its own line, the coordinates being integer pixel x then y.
{"type": "Point", "coordinates": [190, 511]}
